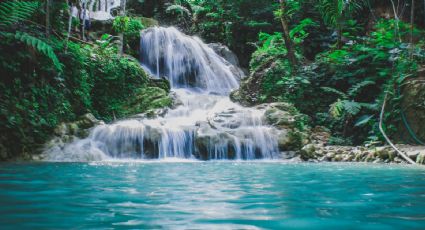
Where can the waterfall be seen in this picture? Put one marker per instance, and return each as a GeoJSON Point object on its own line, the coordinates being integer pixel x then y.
{"type": "Point", "coordinates": [101, 9]}
{"type": "Point", "coordinates": [185, 61]}
{"type": "Point", "coordinates": [206, 124]}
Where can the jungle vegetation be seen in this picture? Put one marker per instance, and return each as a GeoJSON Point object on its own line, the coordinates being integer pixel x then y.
{"type": "Point", "coordinates": [335, 60]}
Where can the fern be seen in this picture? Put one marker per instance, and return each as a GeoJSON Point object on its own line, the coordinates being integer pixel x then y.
{"type": "Point", "coordinates": [38, 45]}
{"type": "Point", "coordinates": [335, 91]}
{"type": "Point", "coordinates": [333, 11]}
{"type": "Point", "coordinates": [14, 11]}
{"type": "Point", "coordinates": [353, 91]}
{"type": "Point", "coordinates": [341, 107]}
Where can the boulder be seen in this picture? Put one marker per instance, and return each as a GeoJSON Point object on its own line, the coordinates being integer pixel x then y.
{"type": "Point", "coordinates": [230, 58]}
{"type": "Point", "coordinates": [307, 152]}
{"type": "Point", "coordinates": [225, 52]}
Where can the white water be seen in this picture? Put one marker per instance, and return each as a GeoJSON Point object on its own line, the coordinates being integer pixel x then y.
{"type": "Point", "coordinates": [206, 124]}
{"type": "Point", "coordinates": [101, 9]}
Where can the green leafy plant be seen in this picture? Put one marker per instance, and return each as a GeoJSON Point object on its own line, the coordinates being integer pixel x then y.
{"type": "Point", "coordinates": [12, 12]}
{"type": "Point", "coordinates": [120, 24]}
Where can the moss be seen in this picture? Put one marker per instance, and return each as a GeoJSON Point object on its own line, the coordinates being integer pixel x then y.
{"type": "Point", "coordinates": [149, 22]}
{"type": "Point", "coordinates": [147, 99]}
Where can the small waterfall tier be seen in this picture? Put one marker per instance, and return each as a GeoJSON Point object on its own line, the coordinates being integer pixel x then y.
{"type": "Point", "coordinates": [204, 123]}
{"type": "Point", "coordinates": [186, 61]}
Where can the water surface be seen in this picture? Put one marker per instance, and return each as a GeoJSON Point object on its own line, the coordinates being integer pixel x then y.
{"type": "Point", "coordinates": [210, 195]}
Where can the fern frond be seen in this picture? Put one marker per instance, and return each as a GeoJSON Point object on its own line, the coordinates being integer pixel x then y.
{"type": "Point", "coordinates": [38, 45]}
{"type": "Point", "coordinates": [351, 107]}
{"type": "Point", "coordinates": [14, 11]}
{"type": "Point", "coordinates": [338, 108]}
{"type": "Point", "coordinates": [335, 91]}
{"type": "Point", "coordinates": [353, 91]}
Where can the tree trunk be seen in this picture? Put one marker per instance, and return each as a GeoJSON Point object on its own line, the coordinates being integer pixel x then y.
{"type": "Point", "coordinates": [83, 23]}
{"type": "Point", "coordinates": [69, 24]}
{"type": "Point", "coordinates": [412, 24]}
{"type": "Point", "coordinates": [121, 35]}
{"type": "Point", "coordinates": [288, 42]}
{"type": "Point", "coordinates": [48, 24]}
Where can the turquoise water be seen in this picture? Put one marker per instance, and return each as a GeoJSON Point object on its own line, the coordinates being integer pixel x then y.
{"type": "Point", "coordinates": [211, 195]}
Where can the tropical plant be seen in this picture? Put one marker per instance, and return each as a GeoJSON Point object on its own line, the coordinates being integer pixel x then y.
{"type": "Point", "coordinates": [11, 13]}
{"type": "Point", "coordinates": [336, 12]}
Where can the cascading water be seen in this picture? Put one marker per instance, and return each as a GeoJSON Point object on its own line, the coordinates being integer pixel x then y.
{"type": "Point", "coordinates": [205, 124]}
{"type": "Point", "coordinates": [101, 9]}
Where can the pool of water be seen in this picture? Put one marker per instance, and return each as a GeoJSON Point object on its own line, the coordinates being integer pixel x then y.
{"type": "Point", "coordinates": [210, 195]}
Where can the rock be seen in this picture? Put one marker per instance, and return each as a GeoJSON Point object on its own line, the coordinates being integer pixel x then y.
{"type": "Point", "coordinates": [250, 89]}
{"type": "Point", "coordinates": [230, 58]}
{"type": "Point", "coordinates": [225, 52]}
{"type": "Point", "coordinates": [61, 129]}
{"type": "Point", "coordinates": [370, 157]}
{"type": "Point", "coordinates": [330, 155]}
{"type": "Point", "coordinates": [307, 152]}
{"type": "Point", "coordinates": [348, 157]}
{"type": "Point", "coordinates": [88, 120]}
{"type": "Point", "coordinates": [337, 158]}
{"type": "Point", "coordinates": [420, 159]}
{"type": "Point", "coordinates": [289, 155]}
{"type": "Point", "coordinates": [147, 100]}
{"type": "Point", "coordinates": [278, 117]}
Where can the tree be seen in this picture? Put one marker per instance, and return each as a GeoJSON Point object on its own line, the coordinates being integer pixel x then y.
{"type": "Point", "coordinates": [288, 42]}
{"type": "Point", "coordinates": [121, 35]}
{"type": "Point", "coordinates": [48, 23]}
{"type": "Point", "coordinates": [412, 25]}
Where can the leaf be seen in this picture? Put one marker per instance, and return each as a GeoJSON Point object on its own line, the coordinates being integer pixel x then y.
{"type": "Point", "coordinates": [12, 12]}
{"type": "Point", "coordinates": [335, 91]}
{"type": "Point", "coordinates": [40, 46]}
{"type": "Point", "coordinates": [363, 120]}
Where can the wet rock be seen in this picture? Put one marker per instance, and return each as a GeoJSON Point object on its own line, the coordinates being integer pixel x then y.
{"type": "Point", "coordinates": [225, 52]}
{"type": "Point", "coordinates": [230, 57]}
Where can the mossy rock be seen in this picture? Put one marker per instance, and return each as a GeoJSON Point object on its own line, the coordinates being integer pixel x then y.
{"type": "Point", "coordinates": [160, 83]}
{"type": "Point", "coordinates": [148, 99]}
{"type": "Point", "coordinates": [149, 22]}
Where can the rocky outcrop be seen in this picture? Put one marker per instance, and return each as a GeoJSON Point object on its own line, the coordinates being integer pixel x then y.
{"type": "Point", "coordinates": [230, 132]}
{"type": "Point", "coordinates": [319, 151]}
{"type": "Point", "coordinates": [68, 132]}
{"type": "Point", "coordinates": [225, 52]}
{"type": "Point", "coordinates": [230, 57]}
{"type": "Point", "coordinates": [249, 93]}
{"type": "Point", "coordinates": [149, 100]}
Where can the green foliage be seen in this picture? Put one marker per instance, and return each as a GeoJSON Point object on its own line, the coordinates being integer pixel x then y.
{"type": "Point", "coordinates": [120, 24]}
{"type": "Point", "coordinates": [299, 33]}
{"type": "Point", "coordinates": [178, 9]}
{"type": "Point", "coordinates": [40, 46]}
{"type": "Point", "coordinates": [334, 12]}
{"type": "Point", "coordinates": [12, 12]}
